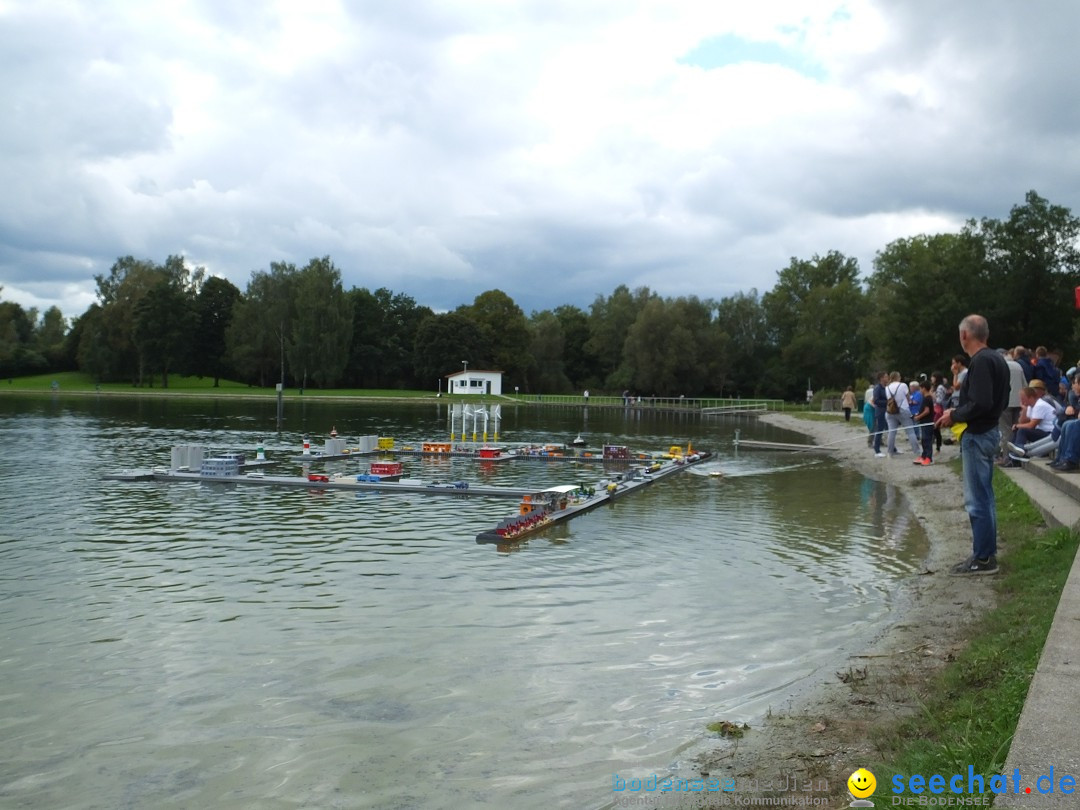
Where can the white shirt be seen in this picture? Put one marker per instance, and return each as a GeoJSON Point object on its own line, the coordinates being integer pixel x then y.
{"type": "Point", "coordinates": [1044, 412]}
{"type": "Point", "coordinates": [899, 392]}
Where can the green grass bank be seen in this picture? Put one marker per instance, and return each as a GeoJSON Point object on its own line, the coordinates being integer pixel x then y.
{"type": "Point", "coordinates": [967, 714]}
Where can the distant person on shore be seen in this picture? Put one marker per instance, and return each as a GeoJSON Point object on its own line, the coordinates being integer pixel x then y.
{"type": "Point", "coordinates": [847, 402]}
{"type": "Point", "coordinates": [881, 398]}
{"type": "Point", "coordinates": [915, 400]}
{"type": "Point", "coordinates": [898, 414]}
{"type": "Point", "coordinates": [868, 414]}
{"type": "Point", "coordinates": [941, 399]}
{"type": "Point", "coordinates": [924, 424]}
{"type": "Point", "coordinates": [959, 368]}
{"type": "Point", "coordinates": [983, 395]}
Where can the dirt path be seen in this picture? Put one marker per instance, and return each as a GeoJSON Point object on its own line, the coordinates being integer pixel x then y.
{"type": "Point", "coordinates": [824, 734]}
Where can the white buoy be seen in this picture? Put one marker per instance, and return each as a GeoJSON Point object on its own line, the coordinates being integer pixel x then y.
{"type": "Point", "coordinates": [259, 454]}
{"type": "Point", "coordinates": [307, 446]}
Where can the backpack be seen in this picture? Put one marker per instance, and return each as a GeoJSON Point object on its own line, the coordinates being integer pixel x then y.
{"type": "Point", "coordinates": [890, 403]}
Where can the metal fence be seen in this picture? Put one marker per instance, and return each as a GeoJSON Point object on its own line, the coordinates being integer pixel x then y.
{"type": "Point", "coordinates": [705, 406]}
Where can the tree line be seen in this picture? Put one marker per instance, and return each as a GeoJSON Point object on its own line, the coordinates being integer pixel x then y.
{"type": "Point", "coordinates": [819, 323]}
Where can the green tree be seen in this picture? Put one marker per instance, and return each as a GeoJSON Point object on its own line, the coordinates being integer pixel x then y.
{"type": "Point", "coordinates": [610, 320]}
{"type": "Point", "coordinates": [506, 334]}
{"type": "Point", "coordinates": [548, 349]}
{"type": "Point", "coordinates": [214, 307]}
{"type": "Point", "coordinates": [19, 353]}
{"type": "Point", "coordinates": [1033, 266]}
{"type": "Point", "coordinates": [322, 329]}
{"type": "Point", "coordinates": [163, 323]}
{"type": "Point", "coordinates": [813, 314]}
{"type": "Point", "coordinates": [578, 364]}
{"type": "Point", "coordinates": [384, 333]}
{"type": "Point", "coordinates": [750, 349]}
{"type": "Point", "coordinates": [367, 357]}
{"type": "Point", "coordinates": [49, 338]}
{"type": "Point", "coordinates": [261, 325]}
{"type": "Point", "coordinates": [443, 341]}
{"type": "Point", "coordinates": [675, 348]}
{"type": "Point", "coordinates": [920, 289]}
{"type": "Point", "coordinates": [118, 295]}
{"type": "Point", "coordinates": [90, 341]}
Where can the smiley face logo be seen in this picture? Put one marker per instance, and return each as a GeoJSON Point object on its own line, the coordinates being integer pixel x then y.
{"type": "Point", "coordinates": [861, 783]}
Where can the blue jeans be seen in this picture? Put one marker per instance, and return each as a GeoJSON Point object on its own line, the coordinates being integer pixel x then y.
{"type": "Point", "coordinates": [879, 427]}
{"type": "Point", "coordinates": [979, 453]}
{"type": "Point", "coordinates": [1026, 435]}
{"type": "Point", "coordinates": [926, 431]}
{"type": "Point", "coordinates": [1068, 448]}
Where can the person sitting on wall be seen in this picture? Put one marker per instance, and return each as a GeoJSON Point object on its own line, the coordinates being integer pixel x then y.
{"type": "Point", "coordinates": [1066, 424]}
{"type": "Point", "coordinates": [1037, 420]}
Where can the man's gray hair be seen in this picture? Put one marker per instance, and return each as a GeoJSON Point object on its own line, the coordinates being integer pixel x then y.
{"type": "Point", "coordinates": [976, 326]}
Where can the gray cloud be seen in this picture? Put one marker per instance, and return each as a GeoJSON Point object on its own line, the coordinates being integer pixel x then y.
{"type": "Point", "coordinates": [552, 150]}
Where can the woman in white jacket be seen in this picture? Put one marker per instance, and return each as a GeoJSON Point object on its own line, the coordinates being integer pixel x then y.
{"type": "Point", "coordinates": [897, 391]}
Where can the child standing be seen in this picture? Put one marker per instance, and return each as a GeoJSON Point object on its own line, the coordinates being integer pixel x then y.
{"type": "Point", "coordinates": [924, 421]}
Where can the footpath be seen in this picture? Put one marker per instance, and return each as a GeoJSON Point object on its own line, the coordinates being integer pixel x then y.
{"type": "Point", "coordinates": [1047, 738]}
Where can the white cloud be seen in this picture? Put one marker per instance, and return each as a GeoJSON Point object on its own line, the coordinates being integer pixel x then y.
{"type": "Point", "coordinates": [552, 150]}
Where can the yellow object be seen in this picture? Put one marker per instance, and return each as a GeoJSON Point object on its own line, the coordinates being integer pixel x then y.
{"type": "Point", "coordinates": [958, 430]}
{"type": "Point", "coordinates": [862, 783]}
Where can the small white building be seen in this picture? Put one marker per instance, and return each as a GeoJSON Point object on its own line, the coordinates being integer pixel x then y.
{"type": "Point", "coordinates": [475, 381]}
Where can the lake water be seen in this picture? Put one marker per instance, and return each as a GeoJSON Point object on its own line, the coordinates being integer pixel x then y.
{"type": "Point", "coordinates": [189, 645]}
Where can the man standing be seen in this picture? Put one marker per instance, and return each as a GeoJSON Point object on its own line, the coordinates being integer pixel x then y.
{"type": "Point", "coordinates": [1011, 415]}
{"type": "Point", "coordinates": [984, 394]}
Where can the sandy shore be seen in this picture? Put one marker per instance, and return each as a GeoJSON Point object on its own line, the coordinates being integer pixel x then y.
{"type": "Point", "coordinates": [822, 733]}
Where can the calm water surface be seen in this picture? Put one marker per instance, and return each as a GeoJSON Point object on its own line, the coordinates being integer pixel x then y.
{"type": "Point", "coordinates": [202, 646]}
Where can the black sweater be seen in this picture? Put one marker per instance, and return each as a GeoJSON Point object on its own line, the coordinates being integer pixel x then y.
{"type": "Point", "coordinates": [984, 394]}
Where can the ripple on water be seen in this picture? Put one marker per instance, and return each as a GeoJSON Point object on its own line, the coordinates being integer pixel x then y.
{"type": "Point", "coordinates": [232, 646]}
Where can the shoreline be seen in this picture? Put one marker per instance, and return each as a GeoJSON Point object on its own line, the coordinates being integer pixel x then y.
{"type": "Point", "coordinates": [823, 731]}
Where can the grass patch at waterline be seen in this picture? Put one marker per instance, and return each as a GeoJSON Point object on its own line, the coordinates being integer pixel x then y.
{"type": "Point", "coordinates": [967, 715]}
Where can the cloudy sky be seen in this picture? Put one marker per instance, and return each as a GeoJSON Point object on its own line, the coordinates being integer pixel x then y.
{"type": "Point", "coordinates": [552, 149]}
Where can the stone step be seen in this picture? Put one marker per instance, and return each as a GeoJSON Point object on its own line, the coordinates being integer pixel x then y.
{"type": "Point", "coordinates": [1057, 495]}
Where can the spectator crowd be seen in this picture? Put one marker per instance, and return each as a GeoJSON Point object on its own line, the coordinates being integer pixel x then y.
{"type": "Point", "coordinates": [1040, 420]}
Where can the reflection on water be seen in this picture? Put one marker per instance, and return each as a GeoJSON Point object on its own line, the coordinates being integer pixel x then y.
{"type": "Point", "coordinates": [196, 645]}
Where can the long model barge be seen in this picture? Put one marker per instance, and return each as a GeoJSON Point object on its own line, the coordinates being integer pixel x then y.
{"type": "Point", "coordinates": [321, 482]}
{"type": "Point", "coordinates": [547, 452]}
{"type": "Point", "coordinates": [543, 508]}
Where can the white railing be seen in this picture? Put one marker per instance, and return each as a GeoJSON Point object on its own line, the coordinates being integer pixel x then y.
{"type": "Point", "coordinates": [704, 405]}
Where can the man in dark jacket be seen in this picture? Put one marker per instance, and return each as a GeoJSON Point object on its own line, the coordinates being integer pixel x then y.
{"type": "Point", "coordinates": [1046, 371]}
{"type": "Point", "coordinates": [983, 396]}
